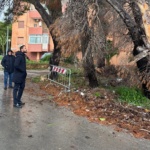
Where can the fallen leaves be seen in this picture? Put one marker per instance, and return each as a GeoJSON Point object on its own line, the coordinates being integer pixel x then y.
{"type": "Point", "coordinates": [102, 109]}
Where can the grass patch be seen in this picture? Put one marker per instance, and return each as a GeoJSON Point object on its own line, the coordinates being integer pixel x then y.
{"type": "Point", "coordinates": [36, 62]}
{"type": "Point", "coordinates": [132, 96]}
{"type": "Point", "coordinates": [36, 79]}
{"type": "Point", "coordinates": [97, 94]}
{"type": "Point", "coordinates": [77, 78]}
{"type": "Point", "coordinates": [1, 56]}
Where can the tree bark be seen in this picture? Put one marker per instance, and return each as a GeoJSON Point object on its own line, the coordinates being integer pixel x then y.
{"type": "Point", "coordinates": [88, 64]}
{"type": "Point", "coordinates": [139, 35]}
{"type": "Point", "coordinates": [56, 52]}
{"type": "Point", "coordinates": [45, 16]}
{"type": "Point", "coordinates": [89, 68]}
{"type": "Point", "coordinates": [48, 21]}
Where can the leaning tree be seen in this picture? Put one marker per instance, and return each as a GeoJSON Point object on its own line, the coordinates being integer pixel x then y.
{"type": "Point", "coordinates": [86, 31]}
{"type": "Point", "coordinates": [84, 23]}
{"type": "Point", "coordinates": [80, 28]}
{"type": "Point", "coordinates": [138, 25]}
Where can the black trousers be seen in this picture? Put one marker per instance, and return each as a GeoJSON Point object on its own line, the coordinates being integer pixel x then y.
{"type": "Point", "coordinates": [17, 92]}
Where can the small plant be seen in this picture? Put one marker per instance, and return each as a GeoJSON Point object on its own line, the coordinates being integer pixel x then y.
{"type": "Point", "coordinates": [69, 59]}
{"type": "Point", "coordinates": [133, 96]}
{"type": "Point", "coordinates": [97, 94]}
{"type": "Point", "coordinates": [111, 51]}
{"type": "Point", "coordinates": [76, 72]}
{"type": "Point", "coordinates": [36, 79]}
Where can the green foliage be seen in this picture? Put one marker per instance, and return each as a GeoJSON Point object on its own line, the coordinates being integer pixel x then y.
{"type": "Point", "coordinates": [36, 79]}
{"type": "Point", "coordinates": [3, 27]}
{"type": "Point", "coordinates": [97, 94]}
{"type": "Point", "coordinates": [36, 62]}
{"type": "Point", "coordinates": [76, 71]}
{"type": "Point", "coordinates": [132, 96]}
{"type": "Point", "coordinates": [1, 57]}
{"type": "Point", "coordinates": [69, 60]}
{"type": "Point", "coordinates": [2, 41]}
{"type": "Point", "coordinates": [3, 31]}
{"type": "Point", "coordinates": [111, 51]}
{"type": "Point", "coordinates": [37, 65]}
{"type": "Point", "coordinates": [77, 78]}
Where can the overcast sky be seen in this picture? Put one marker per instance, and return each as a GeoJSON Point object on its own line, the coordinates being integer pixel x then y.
{"type": "Point", "coordinates": [1, 16]}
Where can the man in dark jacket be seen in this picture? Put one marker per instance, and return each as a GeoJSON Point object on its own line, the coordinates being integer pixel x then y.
{"type": "Point", "coordinates": [8, 64]}
{"type": "Point", "coordinates": [19, 76]}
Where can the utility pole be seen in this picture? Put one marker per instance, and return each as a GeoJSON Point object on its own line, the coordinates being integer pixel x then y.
{"type": "Point", "coordinates": [7, 40]}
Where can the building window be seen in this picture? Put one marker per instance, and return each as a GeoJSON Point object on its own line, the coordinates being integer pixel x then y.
{"type": "Point", "coordinates": [45, 39]}
{"type": "Point", "coordinates": [20, 24]}
{"type": "Point", "coordinates": [35, 25]}
{"type": "Point", "coordinates": [20, 41]}
{"type": "Point", "coordinates": [35, 39]}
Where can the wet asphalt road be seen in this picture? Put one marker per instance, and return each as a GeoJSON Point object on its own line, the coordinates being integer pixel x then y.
{"type": "Point", "coordinates": [47, 127]}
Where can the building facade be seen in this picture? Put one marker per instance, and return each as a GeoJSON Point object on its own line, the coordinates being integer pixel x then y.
{"type": "Point", "coordinates": [31, 31]}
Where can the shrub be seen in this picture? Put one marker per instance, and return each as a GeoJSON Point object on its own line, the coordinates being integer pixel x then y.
{"type": "Point", "coordinates": [132, 96]}
{"type": "Point", "coordinates": [69, 59]}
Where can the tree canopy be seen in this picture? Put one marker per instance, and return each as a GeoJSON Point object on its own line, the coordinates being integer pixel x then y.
{"type": "Point", "coordinates": [3, 36]}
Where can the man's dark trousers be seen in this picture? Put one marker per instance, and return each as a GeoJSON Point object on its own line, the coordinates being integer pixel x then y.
{"type": "Point", "coordinates": [17, 92]}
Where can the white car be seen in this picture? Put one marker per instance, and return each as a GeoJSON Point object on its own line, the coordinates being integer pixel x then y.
{"type": "Point", "coordinates": [46, 54]}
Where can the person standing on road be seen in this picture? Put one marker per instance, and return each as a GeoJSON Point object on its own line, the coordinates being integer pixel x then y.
{"type": "Point", "coordinates": [8, 64]}
{"type": "Point", "coordinates": [19, 76]}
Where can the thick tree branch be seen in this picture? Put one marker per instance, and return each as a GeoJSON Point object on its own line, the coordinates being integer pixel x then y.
{"type": "Point", "coordinates": [132, 27]}
{"type": "Point", "coordinates": [45, 16]}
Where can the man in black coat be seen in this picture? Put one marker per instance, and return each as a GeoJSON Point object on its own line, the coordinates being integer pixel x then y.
{"type": "Point", "coordinates": [19, 76]}
{"type": "Point", "coordinates": [8, 64]}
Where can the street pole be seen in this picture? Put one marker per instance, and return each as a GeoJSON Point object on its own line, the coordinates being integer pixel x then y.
{"type": "Point", "coordinates": [7, 40]}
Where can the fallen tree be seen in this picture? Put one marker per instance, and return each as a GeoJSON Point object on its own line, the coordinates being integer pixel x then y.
{"type": "Point", "coordinates": [138, 25]}
{"type": "Point", "coordinates": [81, 29]}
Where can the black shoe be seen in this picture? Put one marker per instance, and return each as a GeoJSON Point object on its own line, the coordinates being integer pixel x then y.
{"type": "Point", "coordinates": [5, 88]}
{"type": "Point", "coordinates": [17, 106]}
{"type": "Point", "coordinates": [22, 103]}
{"type": "Point", "coordinates": [11, 87]}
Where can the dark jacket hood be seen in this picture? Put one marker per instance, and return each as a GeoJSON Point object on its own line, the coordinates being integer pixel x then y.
{"type": "Point", "coordinates": [19, 53]}
{"type": "Point", "coordinates": [9, 51]}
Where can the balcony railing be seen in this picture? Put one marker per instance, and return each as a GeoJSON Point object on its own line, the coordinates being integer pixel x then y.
{"type": "Point", "coordinates": [35, 48]}
{"type": "Point", "coordinates": [38, 48]}
{"type": "Point", "coordinates": [35, 30]}
{"type": "Point", "coordinates": [34, 15]}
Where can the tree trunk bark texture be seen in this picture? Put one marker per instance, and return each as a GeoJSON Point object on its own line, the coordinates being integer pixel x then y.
{"type": "Point", "coordinates": [89, 68]}
{"type": "Point", "coordinates": [45, 16]}
{"type": "Point", "coordinates": [139, 30]}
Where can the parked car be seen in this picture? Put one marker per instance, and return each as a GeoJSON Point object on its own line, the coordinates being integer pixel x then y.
{"type": "Point", "coordinates": [45, 55]}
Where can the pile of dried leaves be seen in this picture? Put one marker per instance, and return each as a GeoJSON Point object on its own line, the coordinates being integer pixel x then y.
{"type": "Point", "coordinates": [101, 108]}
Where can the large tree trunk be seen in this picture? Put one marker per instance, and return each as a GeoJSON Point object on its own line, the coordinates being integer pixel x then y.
{"type": "Point", "coordinates": [48, 19]}
{"type": "Point", "coordinates": [45, 16]}
{"type": "Point", "coordinates": [55, 59]}
{"type": "Point", "coordinates": [88, 64]}
{"type": "Point", "coordinates": [139, 31]}
{"type": "Point", "coordinates": [89, 69]}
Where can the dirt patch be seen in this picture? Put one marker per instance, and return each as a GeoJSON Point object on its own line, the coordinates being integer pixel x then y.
{"type": "Point", "coordinates": [100, 108]}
